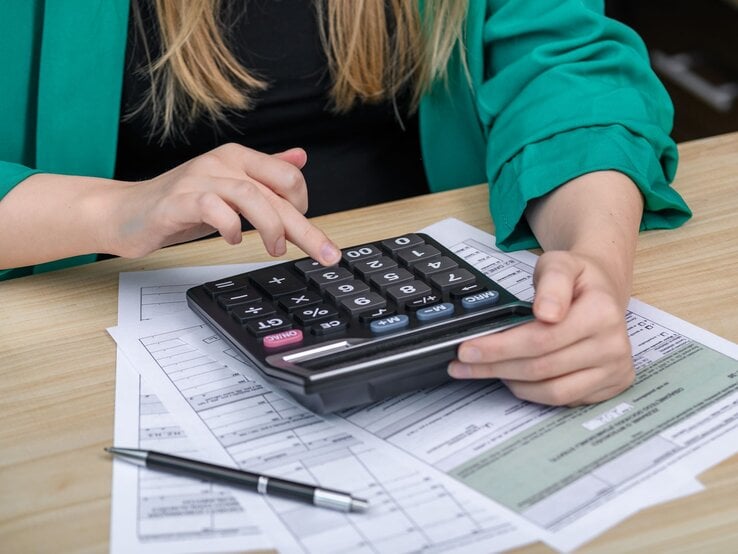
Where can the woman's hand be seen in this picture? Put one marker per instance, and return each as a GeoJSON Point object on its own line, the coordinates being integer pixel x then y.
{"type": "Point", "coordinates": [207, 194]}
{"type": "Point", "coordinates": [575, 352]}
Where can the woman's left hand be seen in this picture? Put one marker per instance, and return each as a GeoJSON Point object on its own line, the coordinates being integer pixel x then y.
{"type": "Point", "coordinates": [576, 351]}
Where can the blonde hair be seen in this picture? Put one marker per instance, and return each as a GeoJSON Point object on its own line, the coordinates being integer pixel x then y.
{"type": "Point", "coordinates": [375, 50]}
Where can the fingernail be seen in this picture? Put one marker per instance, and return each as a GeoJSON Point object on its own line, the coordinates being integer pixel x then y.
{"type": "Point", "coordinates": [280, 247]}
{"type": "Point", "coordinates": [459, 371]}
{"type": "Point", "coordinates": [470, 354]}
{"type": "Point", "coordinates": [330, 253]}
{"type": "Point", "coordinates": [548, 308]}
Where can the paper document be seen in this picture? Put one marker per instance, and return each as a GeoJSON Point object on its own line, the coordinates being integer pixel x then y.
{"type": "Point", "coordinates": [153, 511]}
{"type": "Point", "coordinates": [574, 472]}
{"type": "Point", "coordinates": [255, 428]}
{"type": "Point", "coordinates": [561, 475]}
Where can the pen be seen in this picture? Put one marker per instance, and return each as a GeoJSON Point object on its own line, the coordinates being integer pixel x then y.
{"type": "Point", "coordinates": [318, 496]}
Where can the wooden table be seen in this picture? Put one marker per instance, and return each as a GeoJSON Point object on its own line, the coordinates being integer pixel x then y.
{"type": "Point", "coordinates": [57, 363]}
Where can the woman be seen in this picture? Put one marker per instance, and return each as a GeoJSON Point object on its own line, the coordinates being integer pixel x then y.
{"type": "Point", "coordinates": [550, 102]}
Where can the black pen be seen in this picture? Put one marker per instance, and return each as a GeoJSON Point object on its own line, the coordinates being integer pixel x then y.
{"type": "Point", "coordinates": [325, 498]}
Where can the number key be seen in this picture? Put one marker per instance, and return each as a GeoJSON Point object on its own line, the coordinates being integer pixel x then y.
{"type": "Point", "coordinates": [339, 290]}
{"type": "Point", "coordinates": [384, 279]}
{"type": "Point", "coordinates": [363, 303]}
{"type": "Point", "coordinates": [398, 243]}
{"type": "Point", "coordinates": [447, 280]}
{"type": "Point", "coordinates": [366, 268]}
{"type": "Point", "coordinates": [331, 275]}
{"type": "Point", "coordinates": [426, 268]}
{"type": "Point", "coordinates": [354, 255]}
{"type": "Point", "coordinates": [402, 294]}
{"type": "Point", "coordinates": [416, 254]}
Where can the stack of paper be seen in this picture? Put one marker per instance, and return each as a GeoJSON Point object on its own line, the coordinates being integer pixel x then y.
{"type": "Point", "coordinates": [464, 466]}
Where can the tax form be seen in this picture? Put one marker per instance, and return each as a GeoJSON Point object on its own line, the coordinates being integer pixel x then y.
{"type": "Point", "coordinates": [574, 472]}
{"type": "Point", "coordinates": [578, 471]}
{"type": "Point", "coordinates": [157, 512]}
{"type": "Point", "coordinates": [251, 426]}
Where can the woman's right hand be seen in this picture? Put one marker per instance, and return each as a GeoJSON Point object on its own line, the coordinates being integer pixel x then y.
{"type": "Point", "coordinates": [208, 193]}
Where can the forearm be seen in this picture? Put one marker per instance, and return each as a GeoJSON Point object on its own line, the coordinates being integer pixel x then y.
{"type": "Point", "coordinates": [49, 217]}
{"type": "Point", "coordinates": [596, 215]}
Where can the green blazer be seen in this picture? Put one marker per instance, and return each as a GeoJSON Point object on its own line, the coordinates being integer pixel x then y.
{"type": "Point", "coordinates": [554, 90]}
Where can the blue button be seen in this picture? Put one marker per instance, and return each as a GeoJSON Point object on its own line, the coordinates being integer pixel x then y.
{"type": "Point", "coordinates": [389, 324]}
{"type": "Point", "coordinates": [479, 300]}
{"type": "Point", "coordinates": [432, 313]}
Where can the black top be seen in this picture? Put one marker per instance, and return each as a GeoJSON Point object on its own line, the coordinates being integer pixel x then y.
{"type": "Point", "coordinates": [359, 158]}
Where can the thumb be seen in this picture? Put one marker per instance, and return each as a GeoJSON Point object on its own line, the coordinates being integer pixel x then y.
{"type": "Point", "coordinates": [555, 277]}
{"type": "Point", "coordinates": [294, 156]}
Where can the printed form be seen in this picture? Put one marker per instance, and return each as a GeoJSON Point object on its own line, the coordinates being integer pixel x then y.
{"type": "Point", "coordinates": [157, 512]}
{"type": "Point", "coordinates": [412, 510]}
{"type": "Point", "coordinates": [571, 473]}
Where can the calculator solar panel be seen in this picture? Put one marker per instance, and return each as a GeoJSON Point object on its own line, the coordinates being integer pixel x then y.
{"type": "Point", "coordinates": [387, 319]}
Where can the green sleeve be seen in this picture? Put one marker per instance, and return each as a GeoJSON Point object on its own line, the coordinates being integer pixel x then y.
{"type": "Point", "coordinates": [567, 92]}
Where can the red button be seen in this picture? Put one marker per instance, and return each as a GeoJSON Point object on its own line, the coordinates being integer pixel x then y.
{"type": "Point", "coordinates": [284, 338]}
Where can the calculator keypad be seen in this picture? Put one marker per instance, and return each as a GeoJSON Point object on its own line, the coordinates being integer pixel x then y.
{"type": "Point", "coordinates": [382, 288]}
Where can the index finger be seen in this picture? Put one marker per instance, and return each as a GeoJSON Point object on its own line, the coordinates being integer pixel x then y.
{"type": "Point", "coordinates": [303, 234]}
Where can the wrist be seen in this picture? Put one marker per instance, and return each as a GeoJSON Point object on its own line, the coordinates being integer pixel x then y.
{"type": "Point", "coordinates": [101, 206]}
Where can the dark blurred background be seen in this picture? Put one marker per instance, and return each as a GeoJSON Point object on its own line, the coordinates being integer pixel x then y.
{"type": "Point", "coordinates": [694, 49]}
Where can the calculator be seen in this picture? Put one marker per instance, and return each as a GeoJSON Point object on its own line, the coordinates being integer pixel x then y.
{"type": "Point", "coordinates": [387, 319]}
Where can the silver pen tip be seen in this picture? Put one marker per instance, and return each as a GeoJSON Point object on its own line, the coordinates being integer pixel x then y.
{"type": "Point", "coordinates": [359, 505]}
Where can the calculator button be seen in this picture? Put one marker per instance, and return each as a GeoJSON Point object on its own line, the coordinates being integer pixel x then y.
{"type": "Point", "coordinates": [402, 294]}
{"type": "Point", "coordinates": [283, 338]}
{"type": "Point", "coordinates": [466, 290]}
{"type": "Point", "coordinates": [267, 325]}
{"type": "Point", "coordinates": [331, 275]}
{"type": "Point", "coordinates": [339, 290]}
{"type": "Point", "coordinates": [366, 268]}
{"type": "Point", "coordinates": [231, 284]}
{"type": "Point", "coordinates": [307, 266]}
{"type": "Point", "coordinates": [238, 297]}
{"type": "Point", "coordinates": [423, 302]}
{"type": "Point", "coordinates": [425, 268]}
{"type": "Point", "coordinates": [329, 326]}
{"type": "Point", "coordinates": [398, 243]}
{"type": "Point", "coordinates": [480, 300]}
{"type": "Point", "coordinates": [352, 256]}
{"type": "Point", "coordinates": [415, 254]}
{"type": "Point", "coordinates": [384, 279]}
{"type": "Point", "coordinates": [363, 303]}
{"type": "Point", "coordinates": [447, 280]}
{"type": "Point", "coordinates": [389, 324]}
{"type": "Point", "coordinates": [246, 312]}
{"type": "Point", "coordinates": [276, 281]}
{"type": "Point", "coordinates": [434, 313]}
{"type": "Point", "coordinates": [367, 317]}
{"type": "Point", "coordinates": [300, 300]}
{"type": "Point", "coordinates": [307, 316]}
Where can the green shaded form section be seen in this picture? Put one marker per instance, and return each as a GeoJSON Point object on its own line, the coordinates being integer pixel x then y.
{"type": "Point", "coordinates": [524, 472]}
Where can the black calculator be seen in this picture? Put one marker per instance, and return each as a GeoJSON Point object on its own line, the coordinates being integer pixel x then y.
{"type": "Point", "coordinates": [387, 319]}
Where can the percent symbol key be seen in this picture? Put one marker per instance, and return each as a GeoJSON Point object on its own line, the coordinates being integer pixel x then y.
{"type": "Point", "coordinates": [306, 316]}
